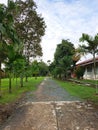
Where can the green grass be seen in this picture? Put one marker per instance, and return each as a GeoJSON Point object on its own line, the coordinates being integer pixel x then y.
{"type": "Point", "coordinates": [80, 91]}
{"type": "Point", "coordinates": [17, 91]}
{"type": "Point", "coordinates": [88, 81]}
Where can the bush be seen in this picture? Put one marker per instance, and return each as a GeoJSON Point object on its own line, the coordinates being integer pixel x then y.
{"type": "Point", "coordinates": [79, 72]}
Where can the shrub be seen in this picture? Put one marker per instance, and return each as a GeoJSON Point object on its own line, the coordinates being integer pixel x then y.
{"type": "Point", "coordinates": [79, 72]}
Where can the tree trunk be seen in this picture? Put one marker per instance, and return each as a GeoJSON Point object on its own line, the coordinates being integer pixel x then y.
{"type": "Point", "coordinates": [26, 69]}
{"type": "Point", "coordinates": [94, 66]}
{"type": "Point", "coordinates": [35, 76]}
{"type": "Point", "coordinates": [95, 73]}
{"type": "Point", "coordinates": [10, 83]}
{"type": "Point", "coordinates": [21, 81]}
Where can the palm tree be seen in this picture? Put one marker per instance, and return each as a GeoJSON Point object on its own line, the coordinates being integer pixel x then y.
{"type": "Point", "coordinates": [8, 34]}
{"type": "Point", "coordinates": [91, 47]}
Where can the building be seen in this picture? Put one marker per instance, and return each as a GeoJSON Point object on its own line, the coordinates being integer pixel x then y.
{"type": "Point", "coordinates": [89, 68]}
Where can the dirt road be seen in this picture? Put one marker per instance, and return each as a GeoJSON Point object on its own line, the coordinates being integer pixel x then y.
{"type": "Point", "coordinates": [52, 108]}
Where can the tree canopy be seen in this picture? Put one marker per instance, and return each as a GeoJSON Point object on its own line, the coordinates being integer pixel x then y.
{"type": "Point", "coordinates": [30, 26]}
{"type": "Point", "coordinates": [91, 47]}
{"type": "Point", "coordinates": [21, 30]}
{"type": "Point", "coordinates": [63, 59]}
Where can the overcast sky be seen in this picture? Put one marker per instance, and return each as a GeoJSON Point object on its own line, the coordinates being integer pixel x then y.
{"type": "Point", "coordinates": [66, 19]}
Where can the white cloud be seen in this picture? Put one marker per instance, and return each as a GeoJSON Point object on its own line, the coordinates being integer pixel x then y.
{"type": "Point", "coordinates": [3, 2]}
{"type": "Point", "coordinates": [66, 19]}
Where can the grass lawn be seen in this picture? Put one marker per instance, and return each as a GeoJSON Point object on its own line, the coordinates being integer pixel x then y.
{"type": "Point", "coordinates": [17, 91]}
{"type": "Point", "coordinates": [88, 81]}
{"type": "Point", "coordinates": [80, 91]}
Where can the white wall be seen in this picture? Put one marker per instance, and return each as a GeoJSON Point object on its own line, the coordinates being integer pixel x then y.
{"type": "Point", "coordinates": [90, 75]}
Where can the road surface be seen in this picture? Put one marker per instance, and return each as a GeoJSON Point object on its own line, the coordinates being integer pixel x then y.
{"type": "Point", "coordinates": [50, 107]}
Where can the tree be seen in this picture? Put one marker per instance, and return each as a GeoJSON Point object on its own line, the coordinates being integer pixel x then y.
{"type": "Point", "coordinates": [43, 69]}
{"type": "Point", "coordinates": [31, 27]}
{"type": "Point", "coordinates": [63, 59]}
{"type": "Point", "coordinates": [51, 68]}
{"type": "Point", "coordinates": [76, 57]}
{"type": "Point", "coordinates": [91, 47]}
{"type": "Point", "coordinates": [79, 71]}
{"type": "Point", "coordinates": [13, 56]}
{"type": "Point", "coordinates": [39, 68]}
{"type": "Point", "coordinates": [19, 68]}
{"type": "Point", "coordinates": [3, 55]}
{"type": "Point", "coordinates": [7, 31]}
{"type": "Point", "coordinates": [35, 69]}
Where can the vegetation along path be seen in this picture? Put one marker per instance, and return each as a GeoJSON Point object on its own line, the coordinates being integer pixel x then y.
{"type": "Point", "coordinates": [50, 107]}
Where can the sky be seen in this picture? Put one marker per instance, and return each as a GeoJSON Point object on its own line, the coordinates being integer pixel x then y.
{"type": "Point", "coordinates": [66, 19]}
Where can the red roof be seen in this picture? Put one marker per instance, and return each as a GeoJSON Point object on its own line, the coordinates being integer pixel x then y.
{"type": "Point", "coordinates": [86, 62]}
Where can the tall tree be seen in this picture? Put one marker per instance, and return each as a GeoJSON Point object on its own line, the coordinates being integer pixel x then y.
{"type": "Point", "coordinates": [91, 47]}
{"type": "Point", "coordinates": [13, 56]}
{"type": "Point", "coordinates": [19, 69]}
{"type": "Point", "coordinates": [63, 58]}
{"type": "Point", "coordinates": [31, 27]}
{"type": "Point", "coordinates": [7, 31]}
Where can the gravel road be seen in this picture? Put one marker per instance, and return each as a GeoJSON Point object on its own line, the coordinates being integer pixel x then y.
{"type": "Point", "coordinates": [49, 90]}
{"type": "Point", "coordinates": [50, 107]}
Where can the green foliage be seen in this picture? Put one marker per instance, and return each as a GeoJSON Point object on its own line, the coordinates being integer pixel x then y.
{"type": "Point", "coordinates": [8, 35]}
{"type": "Point", "coordinates": [39, 68]}
{"type": "Point", "coordinates": [7, 31]}
{"type": "Point", "coordinates": [92, 44]}
{"type": "Point", "coordinates": [35, 68]}
{"type": "Point", "coordinates": [3, 52]}
{"type": "Point", "coordinates": [91, 47]}
{"type": "Point", "coordinates": [19, 66]}
{"type": "Point", "coordinates": [61, 67]}
{"type": "Point", "coordinates": [79, 71]}
{"type": "Point", "coordinates": [19, 20]}
{"type": "Point", "coordinates": [43, 69]}
{"type": "Point", "coordinates": [14, 59]}
{"type": "Point", "coordinates": [30, 26]}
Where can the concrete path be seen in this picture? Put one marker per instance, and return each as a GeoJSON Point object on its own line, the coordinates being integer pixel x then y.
{"type": "Point", "coordinates": [49, 90]}
{"type": "Point", "coordinates": [52, 108]}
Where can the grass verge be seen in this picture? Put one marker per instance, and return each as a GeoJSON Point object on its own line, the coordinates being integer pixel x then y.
{"type": "Point", "coordinates": [80, 91]}
{"type": "Point", "coordinates": [94, 82]}
{"type": "Point", "coordinates": [17, 91]}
